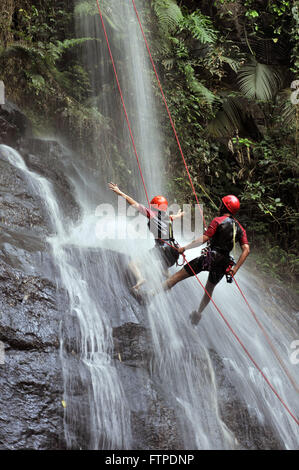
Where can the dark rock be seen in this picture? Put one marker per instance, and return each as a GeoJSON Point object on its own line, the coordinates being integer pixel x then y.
{"type": "Point", "coordinates": [31, 411]}
{"type": "Point", "coordinates": [13, 125]}
{"type": "Point", "coordinates": [18, 205]}
{"type": "Point", "coordinates": [52, 160]}
{"type": "Point", "coordinates": [153, 421]}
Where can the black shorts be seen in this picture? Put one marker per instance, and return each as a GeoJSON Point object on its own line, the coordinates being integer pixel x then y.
{"type": "Point", "coordinates": [217, 266]}
{"type": "Point", "coordinates": [167, 254]}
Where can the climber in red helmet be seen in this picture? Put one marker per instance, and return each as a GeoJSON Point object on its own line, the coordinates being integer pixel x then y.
{"type": "Point", "coordinates": [160, 225]}
{"type": "Point", "coordinates": [222, 234]}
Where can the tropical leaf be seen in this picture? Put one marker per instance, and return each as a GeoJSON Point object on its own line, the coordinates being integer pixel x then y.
{"type": "Point", "coordinates": [259, 81]}
{"type": "Point", "coordinates": [229, 118]}
{"type": "Point", "coordinates": [169, 15]}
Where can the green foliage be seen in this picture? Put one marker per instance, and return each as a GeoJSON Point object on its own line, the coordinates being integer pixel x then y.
{"type": "Point", "coordinates": [222, 69]}
{"type": "Point", "coordinates": [228, 119]}
{"type": "Point", "coordinates": [169, 15]}
{"type": "Point", "coordinates": [199, 26]}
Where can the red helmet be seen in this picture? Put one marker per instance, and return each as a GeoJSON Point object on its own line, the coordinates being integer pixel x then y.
{"type": "Point", "coordinates": [232, 203]}
{"type": "Point", "coordinates": [160, 203]}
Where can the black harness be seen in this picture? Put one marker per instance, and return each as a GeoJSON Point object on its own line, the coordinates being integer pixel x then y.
{"type": "Point", "coordinates": [161, 226]}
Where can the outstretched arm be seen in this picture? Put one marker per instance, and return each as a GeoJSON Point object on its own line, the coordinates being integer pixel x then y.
{"type": "Point", "coordinates": [129, 199]}
{"type": "Point", "coordinates": [178, 215]}
{"type": "Point", "coordinates": [199, 241]}
{"type": "Point", "coordinates": [242, 258]}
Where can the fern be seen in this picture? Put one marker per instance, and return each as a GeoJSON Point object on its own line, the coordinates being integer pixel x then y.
{"type": "Point", "coordinates": [42, 53]}
{"type": "Point", "coordinates": [169, 15]}
{"type": "Point", "coordinates": [200, 27]}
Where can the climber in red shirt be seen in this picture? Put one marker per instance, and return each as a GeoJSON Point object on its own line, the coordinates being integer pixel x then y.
{"type": "Point", "coordinates": [222, 234]}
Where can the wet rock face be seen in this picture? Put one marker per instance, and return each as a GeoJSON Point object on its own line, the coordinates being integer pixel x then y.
{"type": "Point", "coordinates": [18, 207]}
{"type": "Point", "coordinates": [14, 125]}
{"type": "Point", "coordinates": [31, 386]}
{"type": "Point", "coordinates": [31, 413]}
{"type": "Point", "coordinates": [153, 420]}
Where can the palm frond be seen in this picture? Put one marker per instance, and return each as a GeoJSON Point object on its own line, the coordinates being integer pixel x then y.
{"type": "Point", "coordinates": [259, 81]}
{"type": "Point", "coordinates": [228, 119]}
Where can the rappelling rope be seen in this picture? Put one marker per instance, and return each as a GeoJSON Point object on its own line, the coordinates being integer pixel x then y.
{"type": "Point", "coordinates": [141, 174]}
{"type": "Point", "coordinates": [123, 102]}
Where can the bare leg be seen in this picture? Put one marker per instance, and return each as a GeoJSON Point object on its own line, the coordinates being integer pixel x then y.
{"type": "Point", "coordinates": [175, 278]}
{"type": "Point", "coordinates": [196, 315]}
{"type": "Point", "coordinates": [170, 282]}
{"type": "Point", "coordinates": [165, 273]}
{"type": "Point", "coordinates": [134, 268]}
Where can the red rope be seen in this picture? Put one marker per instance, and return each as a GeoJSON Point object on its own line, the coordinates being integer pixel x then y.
{"type": "Point", "coordinates": [123, 102]}
{"type": "Point", "coordinates": [167, 109]}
